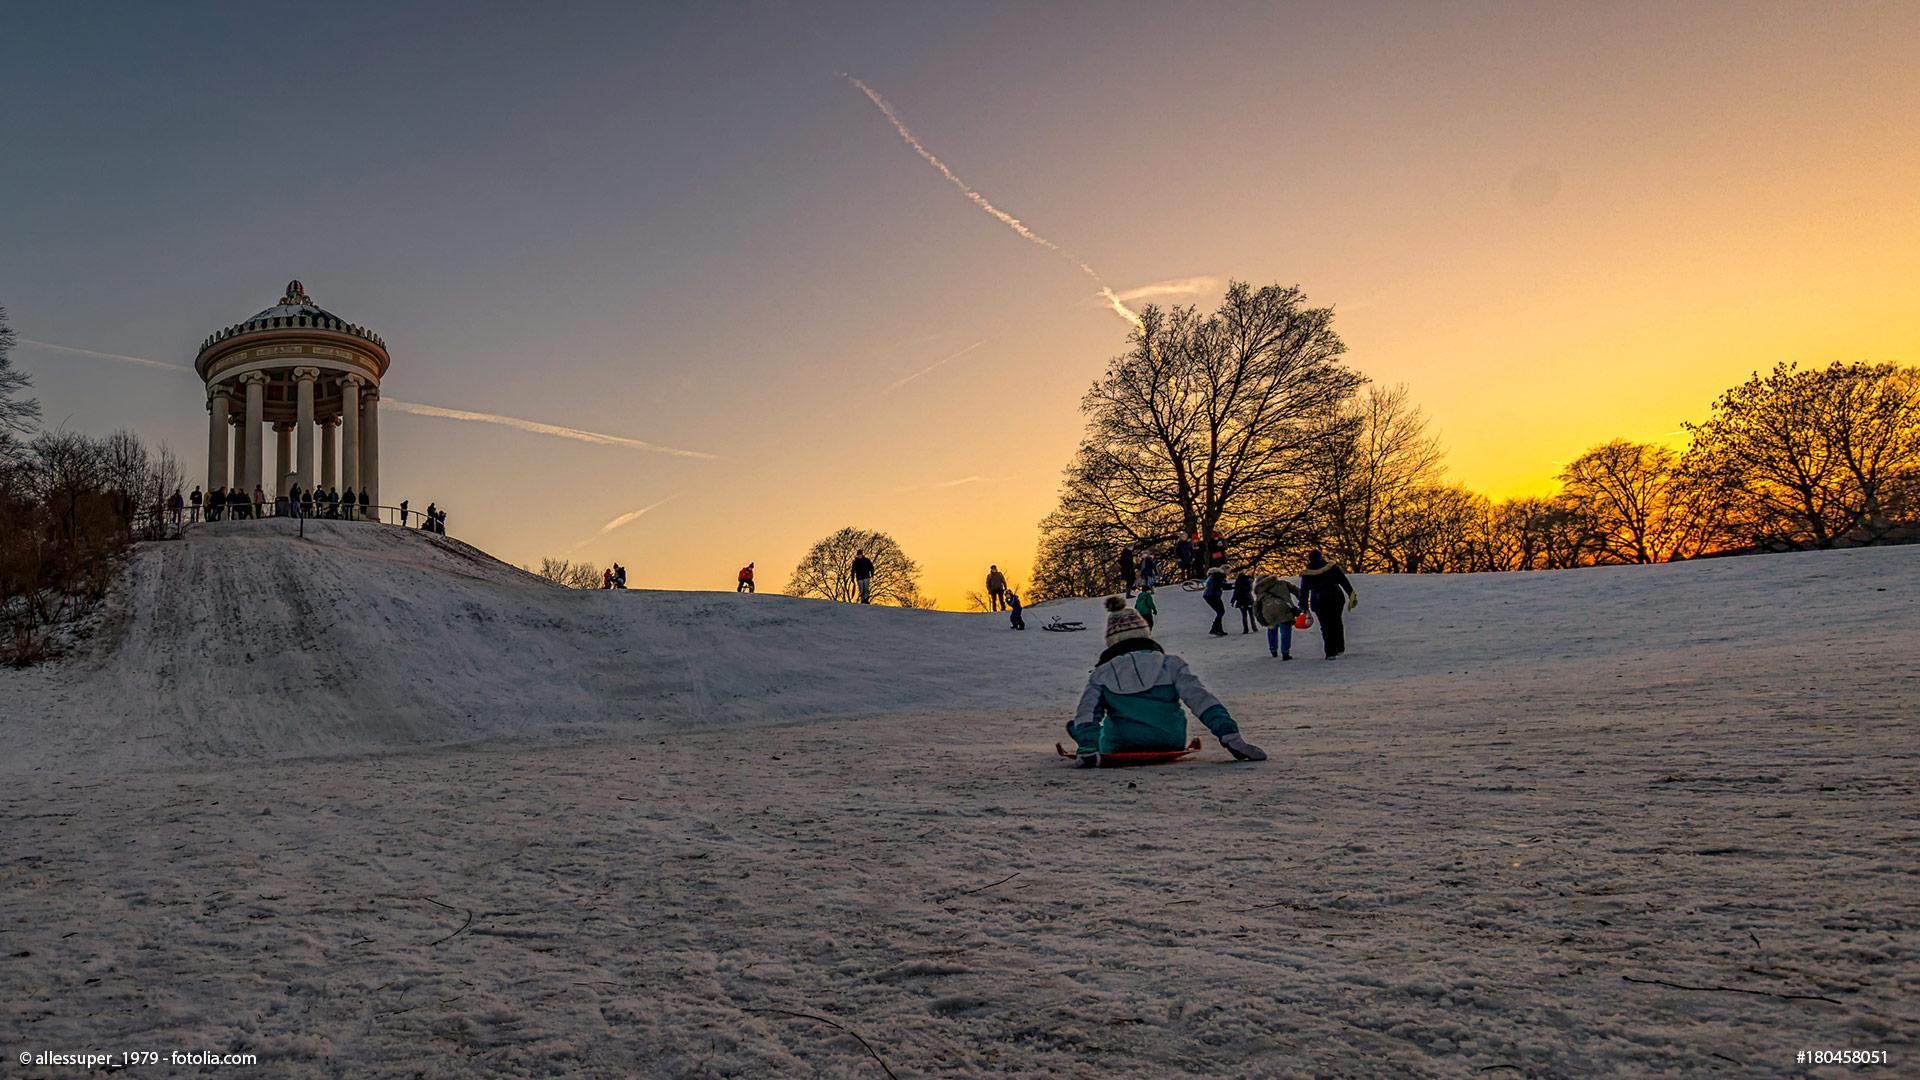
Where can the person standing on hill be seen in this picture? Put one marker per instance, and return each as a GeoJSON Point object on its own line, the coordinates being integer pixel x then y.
{"type": "Point", "coordinates": [746, 579]}
{"type": "Point", "coordinates": [1216, 585]}
{"type": "Point", "coordinates": [1183, 554]}
{"type": "Point", "coordinates": [996, 588]}
{"type": "Point", "coordinates": [1126, 570]}
{"type": "Point", "coordinates": [366, 500]}
{"type": "Point", "coordinates": [1013, 611]}
{"type": "Point", "coordinates": [403, 513]}
{"type": "Point", "coordinates": [1216, 550]}
{"type": "Point", "coordinates": [1145, 605]}
{"type": "Point", "coordinates": [1133, 698]}
{"type": "Point", "coordinates": [195, 500]}
{"type": "Point", "coordinates": [862, 571]}
{"type": "Point", "coordinates": [347, 504]}
{"type": "Point", "coordinates": [175, 505]}
{"type": "Point", "coordinates": [306, 503]}
{"type": "Point", "coordinates": [1328, 594]}
{"type": "Point", "coordinates": [259, 502]}
{"type": "Point", "coordinates": [1276, 602]}
{"type": "Point", "coordinates": [1243, 599]}
{"type": "Point", "coordinates": [1149, 570]}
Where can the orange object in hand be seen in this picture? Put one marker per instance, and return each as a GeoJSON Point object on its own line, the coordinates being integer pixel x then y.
{"type": "Point", "coordinates": [1303, 621]}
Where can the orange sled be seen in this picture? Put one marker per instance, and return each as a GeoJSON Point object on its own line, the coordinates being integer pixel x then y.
{"type": "Point", "coordinates": [1136, 757]}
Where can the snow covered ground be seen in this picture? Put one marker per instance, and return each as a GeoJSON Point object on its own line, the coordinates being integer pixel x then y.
{"type": "Point", "coordinates": [371, 804]}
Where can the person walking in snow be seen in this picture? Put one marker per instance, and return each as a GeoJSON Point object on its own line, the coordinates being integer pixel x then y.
{"type": "Point", "coordinates": [996, 588]}
{"type": "Point", "coordinates": [1145, 605]}
{"type": "Point", "coordinates": [194, 501]}
{"type": "Point", "coordinates": [746, 579]}
{"type": "Point", "coordinates": [1243, 599]}
{"type": "Point", "coordinates": [1216, 586]}
{"type": "Point", "coordinates": [1276, 601]}
{"type": "Point", "coordinates": [1183, 554]}
{"type": "Point", "coordinates": [1149, 570]}
{"type": "Point", "coordinates": [1127, 570]}
{"type": "Point", "coordinates": [403, 513]}
{"type": "Point", "coordinates": [1133, 698]}
{"type": "Point", "coordinates": [175, 506]}
{"type": "Point", "coordinates": [1013, 610]}
{"type": "Point", "coordinates": [1328, 594]}
{"type": "Point", "coordinates": [862, 571]}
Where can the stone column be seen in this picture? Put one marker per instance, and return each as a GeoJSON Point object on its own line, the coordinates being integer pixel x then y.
{"type": "Point", "coordinates": [303, 378]}
{"type": "Point", "coordinates": [219, 403]}
{"type": "Point", "coordinates": [283, 457]}
{"type": "Point", "coordinates": [370, 448]}
{"type": "Point", "coordinates": [239, 422]}
{"type": "Point", "coordinates": [329, 453]}
{"type": "Point", "coordinates": [256, 383]}
{"type": "Point", "coordinates": [350, 435]}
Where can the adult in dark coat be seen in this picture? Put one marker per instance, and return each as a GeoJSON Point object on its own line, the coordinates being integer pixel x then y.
{"type": "Point", "coordinates": [1329, 594]}
{"type": "Point", "coordinates": [1243, 599]}
{"type": "Point", "coordinates": [996, 588]}
{"type": "Point", "coordinates": [1216, 586]}
{"type": "Point", "coordinates": [1127, 571]}
{"type": "Point", "coordinates": [1183, 554]}
{"type": "Point", "coordinates": [862, 572]}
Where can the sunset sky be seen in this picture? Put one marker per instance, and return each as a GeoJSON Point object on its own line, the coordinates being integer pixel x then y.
{"type": "Point", "coordinates": [1557, 224]}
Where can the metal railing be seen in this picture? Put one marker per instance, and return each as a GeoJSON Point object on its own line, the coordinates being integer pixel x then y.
{"type": "Point", "coordinates": [164, 523]}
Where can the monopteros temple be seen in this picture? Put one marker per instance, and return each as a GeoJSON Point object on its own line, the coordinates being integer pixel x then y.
{"type": "Point", "coordinates": [294, 366]}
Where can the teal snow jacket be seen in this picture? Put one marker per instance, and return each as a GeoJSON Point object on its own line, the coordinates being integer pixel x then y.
{"type": "Point", "coordinates": [1132, 702]}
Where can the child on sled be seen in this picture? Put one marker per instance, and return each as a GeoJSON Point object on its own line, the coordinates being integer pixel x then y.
{"type": "Point", "coordinates": [1133, 698]}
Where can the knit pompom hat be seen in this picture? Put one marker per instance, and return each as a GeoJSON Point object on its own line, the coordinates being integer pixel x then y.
{"type": "Point", "coordinates": [1123, 622]}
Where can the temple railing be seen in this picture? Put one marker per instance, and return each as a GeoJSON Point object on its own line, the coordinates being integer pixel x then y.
{"type": "Point", "coordinates": [163, 523]}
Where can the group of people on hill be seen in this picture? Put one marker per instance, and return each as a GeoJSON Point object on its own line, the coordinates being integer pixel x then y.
{"type": "Point", "coordinates": [322, 503]}
{"type": "Point", "coordinates": [614, 577]}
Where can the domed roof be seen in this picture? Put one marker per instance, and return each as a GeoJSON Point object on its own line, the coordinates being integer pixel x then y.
{"type": "Point", "coordinates": [294, 311]}
{"type": "Point", "coordinates": [295, 303]}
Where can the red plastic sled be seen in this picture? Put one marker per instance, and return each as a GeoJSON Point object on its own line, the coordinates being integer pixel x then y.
{"type": "Point", "coordinates": [1136, 757]}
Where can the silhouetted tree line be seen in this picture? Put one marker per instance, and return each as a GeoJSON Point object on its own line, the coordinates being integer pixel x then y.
{"type": "Point", "coordinates": [1246, 421]}
{"type": "Point", "coordinates": [70, 504]}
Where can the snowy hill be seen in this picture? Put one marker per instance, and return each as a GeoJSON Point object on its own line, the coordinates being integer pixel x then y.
{"type": "Point", "coordinates": [245, 640]}
{"type": "Point", "coordinates": [1631, 821]}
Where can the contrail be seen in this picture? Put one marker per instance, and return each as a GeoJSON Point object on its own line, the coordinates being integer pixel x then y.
{"type": "Point", "coordinates": [943, 361]}
{"type": "Point", "coordinates": [1113, 300]}
{"type": "Point", "coordinates": [962, 482]}
{"type": "Point", "coordinates": [515, 422]}
{"type": "Point", "coordinates": [1190, 286]}
{"type": "Point", "coordinates": [538, 428]}
{"type": "Point", "coordinates": [624, 519]}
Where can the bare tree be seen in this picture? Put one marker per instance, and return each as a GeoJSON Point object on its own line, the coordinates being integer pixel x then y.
{"type": "Point", "coordinates": [827, 570]}
{"type": "Point", "coordinates": [1437, 529]}
{"type": "Point", "coordinates": [17, 414]}
{"type": "Point", "coordinates": [1641, 507]}
{"type": "Point", "coordinates": [1813, 459]}
{"type": "Point", "coordinates": [570, 575]}
{"type": "Point", "coordinates": [1225, 422]}
{"type": "Point", "coordinates": [1391, 456]}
